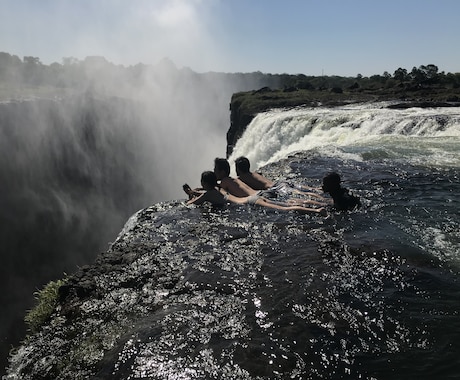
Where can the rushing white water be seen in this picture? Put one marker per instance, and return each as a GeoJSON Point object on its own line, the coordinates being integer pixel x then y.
{"type": "Point", "coordinates": [429, 136]}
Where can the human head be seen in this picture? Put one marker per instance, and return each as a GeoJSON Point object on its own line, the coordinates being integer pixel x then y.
{"type": "Point", "coordinates": [331, 182]}
{"type": "Point", "coordinates": [221, 168]}
{"type": "Point", "coordinates": [242, 165]}
{"type": "Point", "coordinates": [208, 180]}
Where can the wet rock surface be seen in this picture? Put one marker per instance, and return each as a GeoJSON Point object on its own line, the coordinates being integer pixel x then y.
{"type": "Point", "coordinates": [247, 293]}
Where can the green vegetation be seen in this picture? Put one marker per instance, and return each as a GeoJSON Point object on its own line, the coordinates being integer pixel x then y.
{"type": "Point", "coordinates": [46, 303]}
{"type": "Point", "coordinates": [29, 77]}
{"type": "Point", "coordinates": [424, 84]}
{"type": "Point", "coordinates": [254, 102]}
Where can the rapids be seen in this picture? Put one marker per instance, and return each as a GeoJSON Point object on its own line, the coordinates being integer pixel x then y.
{"type": "Point", "coordinates": [422, 136]}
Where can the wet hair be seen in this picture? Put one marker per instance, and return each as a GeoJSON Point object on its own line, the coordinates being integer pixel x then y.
{"type": "Point", "coordinates": [209, 178]}
{"type": "Point", "coordinates": [222, 164]}
{"type": "Point", "coordinates": [331, 181]}
{"type": "Point", "coordinates": [242, 164]}
{"type": "Point", "coordinates": [332, 177]}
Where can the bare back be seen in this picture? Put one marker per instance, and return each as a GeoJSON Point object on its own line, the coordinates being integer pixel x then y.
{"type": "Point", "coordinates": [256, 181]}
{"type": "Point", "coordinates": [212, 196]}
{"type": "Point", "coordinates": [236, 187]}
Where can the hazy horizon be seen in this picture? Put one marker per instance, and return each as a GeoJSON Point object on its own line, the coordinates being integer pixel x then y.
{"type": "Point", "coordinates": [292, 37]}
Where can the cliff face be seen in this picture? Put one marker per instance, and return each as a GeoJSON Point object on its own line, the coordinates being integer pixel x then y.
{"type": "Point", "coordinates": [171, 295]}
{"type": "Point", "coordinates": [99, 304]}
{"type": "Point", "coordinates": [177, 294]}
{"type": "Point", "coordinates": [247, 293]}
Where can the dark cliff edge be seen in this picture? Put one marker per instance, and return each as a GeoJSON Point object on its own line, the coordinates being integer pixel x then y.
{"type": "Point", "coordinates": [245, 106]}
{"type": "Point", "coordinates": [242, 293]}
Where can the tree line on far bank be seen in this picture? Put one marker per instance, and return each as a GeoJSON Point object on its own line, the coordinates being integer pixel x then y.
{"type": "Point", "coordinates": [100, 73]}
{"type": "Point", "coordinates": [422, 76]}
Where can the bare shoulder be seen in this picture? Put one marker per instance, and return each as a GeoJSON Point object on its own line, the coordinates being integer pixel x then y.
{"type": "Point", "coordinates": [225, 183]}
{"type": "Point", "coordinates": [229, 184]}
{"type": "Point", "coordinates": [256, 181]}
{"type": "Point", "coordinates": [215, 197]}
{"type": "Point", "coordinates": [263, 179]}
{"type": "Point", "coordinates": [211, 196]}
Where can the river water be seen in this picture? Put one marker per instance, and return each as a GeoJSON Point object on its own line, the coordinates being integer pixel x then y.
{"type": "Point", "coordinates": [249, 293]}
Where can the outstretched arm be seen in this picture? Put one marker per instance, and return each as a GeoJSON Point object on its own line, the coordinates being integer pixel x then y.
{"type": "Point", "coordinates": [197, 200]}
{"type": "Point", "coordinates": [212, 196]}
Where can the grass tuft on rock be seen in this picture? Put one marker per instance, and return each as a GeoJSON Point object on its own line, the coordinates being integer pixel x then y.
{"type": "Point", "coordinates": [46, 303]}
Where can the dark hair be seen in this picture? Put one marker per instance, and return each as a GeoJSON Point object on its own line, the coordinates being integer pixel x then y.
{"type": "Point", "coordinates": [209, 178]}
{"type": "Point", "coordinates": [222, 164]}
{"type": "Point", "coordinates": [332, 177]}
{"type": "Point", "coordinates": [331, 181]}
{"type": "Point", "coordinates": [242, 164]}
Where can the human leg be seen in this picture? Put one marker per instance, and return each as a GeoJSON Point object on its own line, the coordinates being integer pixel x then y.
{"type": "Point", "coordinates": [278, 206]}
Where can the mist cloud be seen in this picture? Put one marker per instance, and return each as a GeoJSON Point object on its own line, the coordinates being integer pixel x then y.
{"type": "Point", "coordinates": [85, 145]}
{"type": "Point", "coordinates": [97, 141]}
{"type": "Point", "coordinates": [124, 32]}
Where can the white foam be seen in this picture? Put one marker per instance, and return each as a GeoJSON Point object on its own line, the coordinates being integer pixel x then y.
{"type": "Point", "coordinates": [348, 131]}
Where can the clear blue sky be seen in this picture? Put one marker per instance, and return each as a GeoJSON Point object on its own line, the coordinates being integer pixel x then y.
{"type": "Point", "coordinates": [334, 37]}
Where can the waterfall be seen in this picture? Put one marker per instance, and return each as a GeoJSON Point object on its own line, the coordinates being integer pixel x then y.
{"type": "Point", "coordinates": [354, 132]}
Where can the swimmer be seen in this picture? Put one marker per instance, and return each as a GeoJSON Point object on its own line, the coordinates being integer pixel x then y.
{"type": "Point", "coordinates": [219, 197]}
{"type": "Point", "coordinates": [231, 185]}
{"type": "Point", "coordinates": [272, 189]}
{"type": "Point", "coordinates": [343, 200]}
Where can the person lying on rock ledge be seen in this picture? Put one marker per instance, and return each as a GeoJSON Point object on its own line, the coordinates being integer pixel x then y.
{"type": "Point", "coordinates": [257, 181]}
{"type": "Point", "coordinates": [219, 197]}
{"type": "Point", "coordinates": [233, 186]}
{"type": "Point", "coordinates": [238, 188]}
